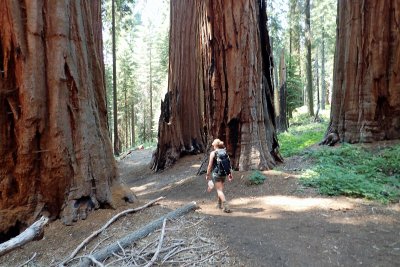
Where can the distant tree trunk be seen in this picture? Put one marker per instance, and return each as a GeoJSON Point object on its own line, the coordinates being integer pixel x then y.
{"type": "Point", "coordinates": [55, 152]}
{"type": "Point", "coordinates": [180, 129]}
{"type": "Point", "coordinates": [151, 96]}
{"type": "Point", "coordinates": [366, 96]}
{"type": "Point", "coordinates": [133, 124]}
{"type": "Point", "coordinates": [276, 78]}
{"type": "Point", "coordinates": [281, 116]}
{"type": "Point", "coordinates": [316, 117]}
{"type": "Point", "coordinates": [237, 81]}
{"type": "Point", "coordinates": [276, 73]}
{"type": "Point", "coordinates": [144, 123]}
{"type": "Point", "coordinates": [310, 95]}
{"type": "Point", "coordinates": [323, 83]}
{"type": "Point", "coordinates": [115, 107]}
{"type": "Point", "coordinates": [126, 117]}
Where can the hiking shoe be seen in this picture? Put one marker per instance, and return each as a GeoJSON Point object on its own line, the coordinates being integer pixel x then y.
{"type": "Point", "coordinates": [219, 205]}
{"type": "Point", "coordinates": [226, 207]}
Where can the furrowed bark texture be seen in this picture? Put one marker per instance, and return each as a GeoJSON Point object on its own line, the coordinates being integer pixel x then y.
{"type": "Point", "coordinates": [180, 126]}
{"type": "Point", "coordinates": [54, 147]}
{"type": "Point", "coordinates": [237, 80]}
{"type": "Point", "coordinates": [366, 91]}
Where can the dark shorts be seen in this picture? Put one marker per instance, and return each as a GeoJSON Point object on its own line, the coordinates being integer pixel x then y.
{"type": "Point", "coordinates": [217, 178]}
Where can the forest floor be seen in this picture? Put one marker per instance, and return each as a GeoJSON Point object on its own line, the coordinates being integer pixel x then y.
{"type": "Point", "coordinates": [278, 223]}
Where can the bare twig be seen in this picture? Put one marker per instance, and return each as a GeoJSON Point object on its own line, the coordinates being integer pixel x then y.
{"type": "Point", "coordinates": [121, 259]}
{"type": "Point", "coordinates": [196, 250]}
{"type": "Point", "coordinates": [98, 244]}
{"type": "Point", "coordinates": [113, 219]}
{"type": "Point", "coordinates": [205, 240]}
{"type": "Point", "coordinates": [118, 256]}
{"type": "Point", "coordinates": [94, 260]}
{"type": "Point", "coordinates": [184, 249]}
{"type": "Point", "coordinates": [206, 258]}
{"type": "Point", "coordinates": [23, 264]}
{"type": "Point", "coordinates": [147, 246]}
{"type": "Point", "coordinates": [154, 258]}
{"type": "Point", "coordinates": [168, 255]}
{"type": "Point", "coordinates": [140, 233]}
{"type": "Point", "coordinates": [122, 249]}
{"type": "Point", "coordinates": [162, 250]}
{"type": "Point", "coordinates": [195, 224]}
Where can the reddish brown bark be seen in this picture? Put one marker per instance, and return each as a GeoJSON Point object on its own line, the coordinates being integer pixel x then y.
{"type": "Point", "coordinates": [55, 152]}
{"type": "Point", "coordinates": [219, 84]}
{"type": "Point", "coordinates": [180, 125]}
{"type": "Point", "coordinates": [236, 75]}
{"type": "Point", "coordinates": [366, 90]}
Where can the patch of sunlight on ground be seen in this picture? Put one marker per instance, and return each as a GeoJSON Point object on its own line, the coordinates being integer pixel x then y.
{"type": "Point", "coordinates": [295, 204]}
{"type": "Point", "coordinates": [195, 166]}
{"type": "Point", "coordinates": [290, 203]}
{"type": "Point", "coordinates": [279, 173]}
{"type": "Point", "coordinates": [139, 189]}
{"type": "Point", "coordinates": [395, 207]}
{"type": "Point", "coordinates": [275, 207]}
{"type": "Point", "coordinates": [158, 186]}
{"type": "Point", "coordinates": [240, 211]}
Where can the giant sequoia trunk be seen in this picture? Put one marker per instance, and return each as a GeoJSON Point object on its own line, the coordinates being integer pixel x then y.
{"type": "Point", "coordinates": [237, 80]}
{"type": "Point", "coordinates": [366, 91]}
{"type": "Point", "coordinates": [180, 125]}
{"type": "Point", "coordinates": [220, 83]}
{"type": "Point", "coordinates": [55, 153]}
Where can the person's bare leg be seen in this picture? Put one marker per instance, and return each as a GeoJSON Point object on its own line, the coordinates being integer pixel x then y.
{"type": "Point", "coordinates": [219, 186]}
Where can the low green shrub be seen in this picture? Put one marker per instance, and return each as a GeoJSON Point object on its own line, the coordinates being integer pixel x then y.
{"type": "Point", "coordinates": [351, 170]}
{"type": "Point", "coordinates": [256, 178]}
{"type": "Point", "coordinates": [303, 132]}
{"type": "Point", "coordinates": [295, 141]}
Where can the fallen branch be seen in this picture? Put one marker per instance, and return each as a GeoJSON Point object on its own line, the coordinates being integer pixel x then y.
{"type": "Point", "coordinates": [201, 169]}
{"type": "Point", "coordinates": [142, 232]}
{"type": "Point", "coordinates": [28, 261]}
{"type": "Point", "coordinates": [33, 232]}
{"type": "Point", "coordinates": [154, 258]}
{"type": "Point", "coordinates": [206, 258]}
{"type": "Point", "coordinates": [98, 244]}
{"type": "Point", "coordinates": [90, 257]}
{"type": "Point", "coordinates": [113, 219]}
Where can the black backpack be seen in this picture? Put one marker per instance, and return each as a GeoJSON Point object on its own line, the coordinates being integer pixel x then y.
{"type": "Point", "coordinates": [223, 166]}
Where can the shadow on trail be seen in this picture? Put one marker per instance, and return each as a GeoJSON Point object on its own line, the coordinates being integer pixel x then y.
{"type": "Point", "coordinates": [279, 223]}
{"type": "Point", "coordinates": [289, 230]}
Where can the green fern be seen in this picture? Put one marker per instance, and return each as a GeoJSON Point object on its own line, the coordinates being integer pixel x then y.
{"type": "Point", "coordinates": [256, 178]}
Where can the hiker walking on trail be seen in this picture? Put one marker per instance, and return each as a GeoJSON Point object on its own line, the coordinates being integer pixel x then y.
{"type": "Point", "coordinates": [219, 166]}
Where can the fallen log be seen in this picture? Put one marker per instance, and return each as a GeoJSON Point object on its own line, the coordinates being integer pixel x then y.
{"type": "Point", "coordinates": [138, 234]}
{"type": "Point", "coordinates": [33, 232]}
{"type": "Point", "coordinates": [113, 219]}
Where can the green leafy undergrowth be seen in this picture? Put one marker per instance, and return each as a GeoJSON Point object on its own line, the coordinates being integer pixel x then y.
{"type": "Point", "coordinates": [256, 178]}
{"type": "Point", "coordinates": [297, 138]}
{"type": "Point", "coordinates": [351, 170]}
{"type": "Point", "coordinates": [303, 132]}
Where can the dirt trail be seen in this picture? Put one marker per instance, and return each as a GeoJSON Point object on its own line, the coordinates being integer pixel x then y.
{"type": "Point", "coordinates": [279, 223]}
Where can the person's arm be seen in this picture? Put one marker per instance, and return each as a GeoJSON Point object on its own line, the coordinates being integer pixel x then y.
{"type": "Point", "coordinates": [210, 165]}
